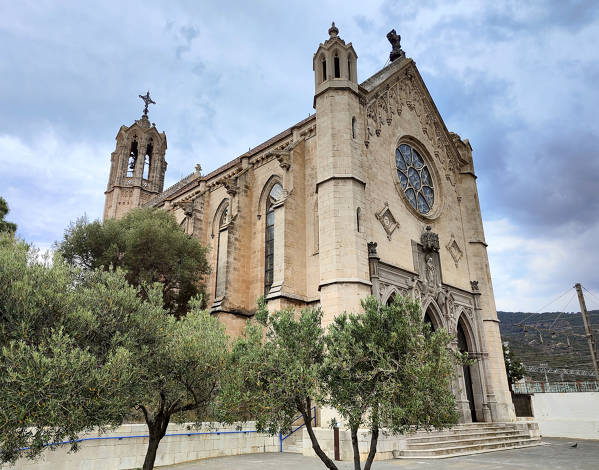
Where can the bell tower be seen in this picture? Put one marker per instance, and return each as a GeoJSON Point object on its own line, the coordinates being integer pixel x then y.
{"type": "Point", "coordinates": [137, 166]}
{"type": "Point", "coordinates": [341, 178]}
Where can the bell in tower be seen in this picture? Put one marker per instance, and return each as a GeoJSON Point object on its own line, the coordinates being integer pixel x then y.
{"type": "Point", "coordinates": [137, 166]}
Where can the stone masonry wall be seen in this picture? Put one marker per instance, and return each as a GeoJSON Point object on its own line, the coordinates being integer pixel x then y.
{"type": "Point", "coordinates": [120, 450]}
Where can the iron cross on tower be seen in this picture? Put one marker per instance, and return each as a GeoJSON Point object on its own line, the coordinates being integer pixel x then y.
{"type": "Point", "coordinates": [147, 100]}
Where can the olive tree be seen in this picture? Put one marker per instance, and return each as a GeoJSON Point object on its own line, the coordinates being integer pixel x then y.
{"type": "Point", "coordinates": [79, 350]}
{"type": "Point", "coordinates": [384, 368]}
{"type": "Point", "coordinates": [275, 372]}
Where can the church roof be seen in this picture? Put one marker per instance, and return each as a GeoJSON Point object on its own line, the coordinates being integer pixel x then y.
{"type": "Point", "coordinates": [194, 179]}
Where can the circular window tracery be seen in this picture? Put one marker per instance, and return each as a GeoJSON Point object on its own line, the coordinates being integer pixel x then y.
{"type": "Point", "coordinates": [415, 178]}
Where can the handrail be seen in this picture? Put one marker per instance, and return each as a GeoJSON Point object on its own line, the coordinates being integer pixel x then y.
{"type": "Point", "coordinates": [282, 438]}
{"type": "Point", "coordinates": [98, 438]}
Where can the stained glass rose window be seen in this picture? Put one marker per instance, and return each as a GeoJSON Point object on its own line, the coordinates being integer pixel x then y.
{"type": "Point", "coordinates": [415, 178]}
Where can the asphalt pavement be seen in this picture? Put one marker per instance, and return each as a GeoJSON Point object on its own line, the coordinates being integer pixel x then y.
{"type": "Point", "coordinates": [554, 454]}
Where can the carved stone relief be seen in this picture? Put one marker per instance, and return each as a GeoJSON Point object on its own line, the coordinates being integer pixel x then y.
{"type": "Point", "coordinates": [454, 250]}
{"type": "Point", "coordinates": [429, 240]}
{"type": "Point", "coordinates": [387, 220]}
{"type": "Point", "coordinates": [388, 102]}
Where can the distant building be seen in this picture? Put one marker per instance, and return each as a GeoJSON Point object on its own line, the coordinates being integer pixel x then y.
{"type": "Point", "coordinates": [370, 195]}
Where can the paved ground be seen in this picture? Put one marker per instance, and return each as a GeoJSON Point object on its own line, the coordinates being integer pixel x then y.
{"type": "Point", "coordinates": [556, 454]}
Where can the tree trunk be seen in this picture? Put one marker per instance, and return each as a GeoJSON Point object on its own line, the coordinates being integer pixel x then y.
{"type": "Point", "coordinates": [355, 447]}
{"type": "Point", "coordinates": [157, 427]}
{"type": "Point", "coordinates": [372, 452]}
{"type": "Point", "coordinates": [151, 453]}
{"type": "Point", "coordinates": [307, 415]}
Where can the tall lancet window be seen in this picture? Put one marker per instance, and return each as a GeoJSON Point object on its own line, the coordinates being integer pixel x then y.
{"type": "Point", "coordinates": [337, 66]}
{"type": "Point", "coordinates": [132, 159]}
{"type": "Point", "coordinates": [269, 235]}
{"type": "Point", "coordinates": [147, 162]}
{"type": "Point", "coordinates": [221, 253]}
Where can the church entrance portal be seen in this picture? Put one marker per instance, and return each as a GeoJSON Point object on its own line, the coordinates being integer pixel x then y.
{"type": "Point", "coordinates": [463, 347]}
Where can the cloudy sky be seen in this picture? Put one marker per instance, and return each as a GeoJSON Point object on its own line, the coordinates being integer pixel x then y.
{"type": "Point", "coordinates": [519, 79]}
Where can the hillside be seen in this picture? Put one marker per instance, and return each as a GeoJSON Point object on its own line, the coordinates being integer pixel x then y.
{"type": "Point", "coordinates": [544, 340]}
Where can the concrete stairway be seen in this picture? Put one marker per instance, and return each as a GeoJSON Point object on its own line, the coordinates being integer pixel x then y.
{"type": "Point", "coordinates": [294, 444]}
{"type": "Point", "coordinates": [466, 439]}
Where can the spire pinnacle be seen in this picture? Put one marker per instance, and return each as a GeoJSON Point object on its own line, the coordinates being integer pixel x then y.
{"type": "Point", "coordinates": [333, 31]}
{"type": "Point", "coordinates": [147, 100]}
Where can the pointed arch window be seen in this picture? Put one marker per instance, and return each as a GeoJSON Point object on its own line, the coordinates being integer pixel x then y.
{"type": "Point", "coordinates": [275, 194]}
{"type": "Point", "coordinates": [222, 248]}
{"type": "Point", "coordinates": [132, 159]}
{"type": "Point", "coordinates": [147, 161]}
{"type": "Point", "coordinates": [337, 66]}
{"type": "Point", "coordinates": [324, 69]}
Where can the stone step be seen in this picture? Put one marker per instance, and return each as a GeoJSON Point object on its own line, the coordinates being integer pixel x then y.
{"type": "Point", "coordinates": [468, 426]}
{"type": "Point", "coordinates": [294, 449]}
{"type": "Point", "coordinates": [464, 442]}
{"type": "Point", "coordinates": [454, 451]}
{"type": "Point", "coordinates": [434, 437]}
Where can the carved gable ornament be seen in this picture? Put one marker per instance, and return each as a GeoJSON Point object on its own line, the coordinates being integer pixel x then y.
{"type": "Point", "coordinates": [388, 102]}
{"type": "Point", "coordinates": [454, 250]}
{"type": "Point", "coordinates": [387, 220]}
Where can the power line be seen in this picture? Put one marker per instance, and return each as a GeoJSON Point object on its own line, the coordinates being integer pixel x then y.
{"type": "Point", "coordinates": [590, 293]}
{"type": "Point", "coordinates": [563, 310]}
{"type": "Point", "coordinates": [543, 307]}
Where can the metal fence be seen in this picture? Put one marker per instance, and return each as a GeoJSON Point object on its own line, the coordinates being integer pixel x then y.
{"type": "Point", "coordinates": [556, 387]}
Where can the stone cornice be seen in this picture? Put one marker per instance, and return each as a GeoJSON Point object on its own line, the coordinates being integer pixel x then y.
{"type": "Point", "coordinates": [344, 280]}
{"type": "Point", "coordinates": [340, 177]}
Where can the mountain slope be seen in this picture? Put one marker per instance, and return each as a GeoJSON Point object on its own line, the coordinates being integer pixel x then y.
{"type": "Point", "coordinates": [552, 338]}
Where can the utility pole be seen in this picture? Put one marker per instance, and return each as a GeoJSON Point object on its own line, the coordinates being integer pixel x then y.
{"type": "Point", "coordinates": [587, 328]}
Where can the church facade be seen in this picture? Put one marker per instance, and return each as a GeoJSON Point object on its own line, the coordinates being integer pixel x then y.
{"type": "Point", "coordinates": [370, 195]}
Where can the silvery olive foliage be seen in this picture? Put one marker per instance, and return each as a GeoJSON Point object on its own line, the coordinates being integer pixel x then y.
{"type": "Point", "coordinates": [382, 369]}
{"type": "Point", "coordinates": [385, 370]}
{"type": "Point", "coordinates": [80, 349]}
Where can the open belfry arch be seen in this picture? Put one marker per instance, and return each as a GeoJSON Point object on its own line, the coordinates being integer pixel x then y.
{"type": "Point", "coordinates": [370, 195]}
{"type": "Point", "coordinates": [137, 166]}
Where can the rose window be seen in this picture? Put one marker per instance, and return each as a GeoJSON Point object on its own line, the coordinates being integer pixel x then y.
{"type": "Point", "coordinates": [415, 178]}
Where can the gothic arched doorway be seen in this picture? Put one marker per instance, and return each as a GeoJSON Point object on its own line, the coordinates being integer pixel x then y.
{"type": "Point", "coordinates": [464, 347]}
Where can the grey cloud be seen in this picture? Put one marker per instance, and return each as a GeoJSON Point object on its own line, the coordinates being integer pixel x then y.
{"type": "Point", "coordinates": [189, 33]}
{"type": "Point", "coordinates": [228, 78]}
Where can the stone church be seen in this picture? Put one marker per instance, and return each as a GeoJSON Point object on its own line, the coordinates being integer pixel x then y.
{"type": "Point", "coordinates": [370, 195]}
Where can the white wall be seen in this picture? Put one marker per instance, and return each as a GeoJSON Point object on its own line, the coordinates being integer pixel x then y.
{"type": "Point", "coordinates": [573, 415]}
{"type": "Point", "coordinates": [129, 453]}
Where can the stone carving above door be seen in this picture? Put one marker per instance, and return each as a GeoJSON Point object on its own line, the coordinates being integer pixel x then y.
{"type": "Point", "coordinates": [429, 240]}
{"type": "Point", "coordinates": [387, 220]}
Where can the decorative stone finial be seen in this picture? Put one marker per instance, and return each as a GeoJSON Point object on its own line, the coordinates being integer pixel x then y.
{"type": "Point", "coordinates": [395, 40]}
{"type": "Point", "coordinates": [333, 31]}
{"type": "Point", "coordinates": [198, 168]}
{"type": "Point", "coordinates": [372, 249]}
{"type": "Point", "coordinates": [429, 240]}
{"type": "Point", "coordinates": [147, 100]}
